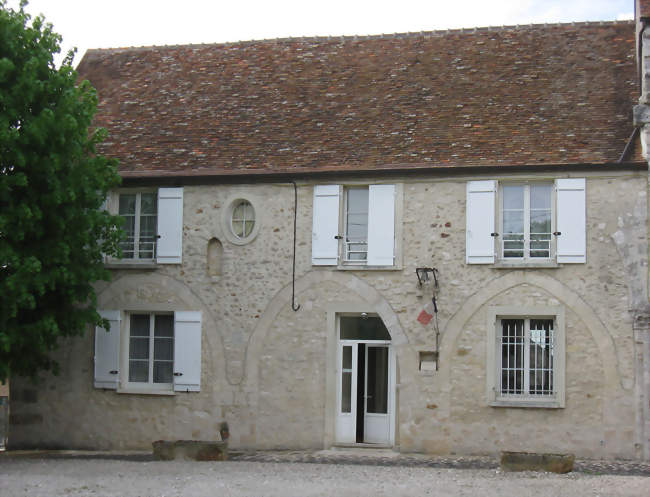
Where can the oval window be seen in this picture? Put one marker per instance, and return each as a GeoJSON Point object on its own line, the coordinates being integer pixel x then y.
{"type": "Point", "coordinates": [243, 219]}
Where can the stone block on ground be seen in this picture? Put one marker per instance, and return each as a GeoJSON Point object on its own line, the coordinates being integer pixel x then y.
{"type": "Point", "coordinates": [526, 461]}
{"type": "Point", "coordinates": [195, 450]}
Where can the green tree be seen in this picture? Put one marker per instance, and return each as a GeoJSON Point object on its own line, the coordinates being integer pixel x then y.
{"type": "Point", "coordinates": [52, 185]}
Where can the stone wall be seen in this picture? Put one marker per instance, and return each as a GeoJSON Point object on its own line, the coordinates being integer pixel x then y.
{"type": "Point", "coordinates": [265, 367]}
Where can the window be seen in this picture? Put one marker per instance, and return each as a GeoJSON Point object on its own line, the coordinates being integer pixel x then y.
{"type": "Point", "coordinates": [527, 357]}
{"type": "Point", "coordinates": [531, 223]}
{"type": "Point", "coordinates": [151, 349]}
{"type": "Point", "coordinates": [139, 211]}
{"type": "Point", "coordinates": [149, 352]}
{"type": "Point", "coordinates": [153, 225]}
{"type": "Point", "coordinates": [526, 221]}
{"type": "Point", "coordinates": [243, 219]}
{"type": "Point", "coordinates": [355, 226]}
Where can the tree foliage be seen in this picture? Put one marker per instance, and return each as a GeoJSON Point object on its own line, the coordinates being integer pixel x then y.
{"type": "Point", "coordinates": [52, 184]}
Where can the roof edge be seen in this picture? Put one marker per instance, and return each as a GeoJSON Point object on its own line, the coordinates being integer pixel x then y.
{"type": "Point", "coordinates": [344, 38]}
{"type": "Point", "coordinates": [204, 177]}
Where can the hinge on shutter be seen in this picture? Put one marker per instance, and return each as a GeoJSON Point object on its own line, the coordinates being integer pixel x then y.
{"type": "Point", "coordinates": [494, 234]}
{"type": "Point", "coordinates": [557, 233]}
{"type": "Point", "coordinates": [114, 371]}
{"type": "Point", "coordinates": [338, 237]}
{"type": "Point", "coordinates": [178, 374]}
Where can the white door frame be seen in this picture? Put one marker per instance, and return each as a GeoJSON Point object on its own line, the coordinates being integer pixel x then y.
{"type": "Point", "coordinates": [376, 425]}
{"type": "Point", "coordinates": [333, 395]}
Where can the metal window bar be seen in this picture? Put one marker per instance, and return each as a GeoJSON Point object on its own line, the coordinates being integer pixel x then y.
{"type": "Point", "coordinates": [527, 347]}
{"type": "Point", "coordinates": [541, 337]}
{"type": "Point", "coordinates": [356, 251]}
{"type": "Point", "coordinates": [516, 246]}
{"type": "Point", "coordinates": [512, 347]}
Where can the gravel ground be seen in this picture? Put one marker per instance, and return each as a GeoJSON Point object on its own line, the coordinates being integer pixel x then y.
{"type": "Point", "coordinates": [53, 476]}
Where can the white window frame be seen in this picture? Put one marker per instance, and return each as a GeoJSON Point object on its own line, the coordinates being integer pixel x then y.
{"type": "Point", "coordinates": [484, 223]}
{"type": "Point", "coordinates": [168, 241]}
{"type": "Point", "coordinates": [136, 228]}
{"type": "Point", "coordinates": [345, 245]}
{"type": "Point", "coordinates": [148, 386]}
{"type": "Point", "coordinates": [493, 374]}
{"type": "Point", "coordinates": [527, 211]}
{"type": "Point", "coordinates": [231, 203]}
{"type": "Point", "coordinates": [244, 220]}
{"type": "Point", "coordinates": [340, 260]}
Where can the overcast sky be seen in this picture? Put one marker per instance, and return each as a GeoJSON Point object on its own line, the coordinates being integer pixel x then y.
{"type": "Point", "coordinates": [121, 23]}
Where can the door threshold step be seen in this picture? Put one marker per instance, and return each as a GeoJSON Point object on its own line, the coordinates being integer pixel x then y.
{"type": "Point", "coordinates": [361, 446]}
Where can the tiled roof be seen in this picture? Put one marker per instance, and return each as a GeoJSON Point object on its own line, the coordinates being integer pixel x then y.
{"type": "Point", "coordinates": [643, 8]}
{"type": "Point", "coordinates": [524, 95]}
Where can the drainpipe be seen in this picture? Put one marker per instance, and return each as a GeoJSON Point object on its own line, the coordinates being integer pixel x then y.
{"type": "Point", "coordinates": [642, 316]}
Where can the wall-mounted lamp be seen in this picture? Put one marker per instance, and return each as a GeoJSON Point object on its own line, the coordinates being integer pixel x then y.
{"type": "Point", "coordinates": [425, 274]}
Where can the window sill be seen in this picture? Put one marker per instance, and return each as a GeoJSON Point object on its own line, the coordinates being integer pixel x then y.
{"type": "Point", "coordinates": [526, 265]}
{"type": "Point", "coordinates": [135, 391]}
{"type": "Point", "coordinates": [130, 264]}
{"type": "Point", "coordinates": [546, 404]}
{"type": "Point", "coordinates": [361, 267]}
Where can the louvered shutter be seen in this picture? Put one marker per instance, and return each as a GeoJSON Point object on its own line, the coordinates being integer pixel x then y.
{"type": "Point", "coordinates": [381, 225]}
{"type": "Point", "coordinates": [479, 248]}
{"type": "Point", "coordinates": [107, 351]}
{"type": "Point", "coordinates": [170, 226]}
{"type": "Point", "coordinates": [571, 220]}
{"type": "Point", "coordinates": [187, 351]}
{"type": "Point", "coordinates": [324, 245]}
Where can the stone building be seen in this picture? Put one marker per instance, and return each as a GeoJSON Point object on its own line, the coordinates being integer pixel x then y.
{"type": "Point", "coordinates": [434, 242]}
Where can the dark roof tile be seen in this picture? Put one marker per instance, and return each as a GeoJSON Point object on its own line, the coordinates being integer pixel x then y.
{"type": "Point", "coordinates": [498, 96]}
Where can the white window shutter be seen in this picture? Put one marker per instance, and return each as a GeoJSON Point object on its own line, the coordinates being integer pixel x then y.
{"type": "Point", "coordinates": [187, 351]}
{"type": "Point", "coordinates": [381, 225]}
{"type": "Point", "coordinates": [479, 248]}
{"type": "Point", "coordinates": [324, 245]}
{"type": "Point", "coordinates": [170, 226]}
{"type": "Point", "coordinates": [107, 351]}
{"type": "Point", "coordinates": [571, 220]}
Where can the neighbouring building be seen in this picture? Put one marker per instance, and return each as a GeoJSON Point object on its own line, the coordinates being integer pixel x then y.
{"type": "Point", "coordinates": [465, 213]}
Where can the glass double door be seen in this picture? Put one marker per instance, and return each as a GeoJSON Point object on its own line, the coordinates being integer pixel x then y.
{"type": "Point", "coordinates": [363, 392]}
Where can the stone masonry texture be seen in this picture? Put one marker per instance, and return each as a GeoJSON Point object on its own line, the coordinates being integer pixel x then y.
{"type": "Point", "coordinates": [280, 402]}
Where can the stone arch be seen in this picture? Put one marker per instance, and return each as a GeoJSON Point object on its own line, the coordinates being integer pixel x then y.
{"type": "Point", "coordinates": [109, 296]}
{"type": "Point", "coordinates": [613, 384]}
{"type": "Point", "coordinates": [366, 292]}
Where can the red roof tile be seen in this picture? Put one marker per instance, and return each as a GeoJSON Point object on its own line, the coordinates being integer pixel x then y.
{"type": "Point", "coordinates": [556, 94]}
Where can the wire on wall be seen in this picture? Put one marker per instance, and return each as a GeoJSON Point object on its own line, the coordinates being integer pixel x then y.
{"type": "Point", "coordinates": [294, 306]}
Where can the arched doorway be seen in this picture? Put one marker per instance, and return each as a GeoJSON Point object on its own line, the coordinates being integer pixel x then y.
{"type": "Point", "coordinates": [365, 366]}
